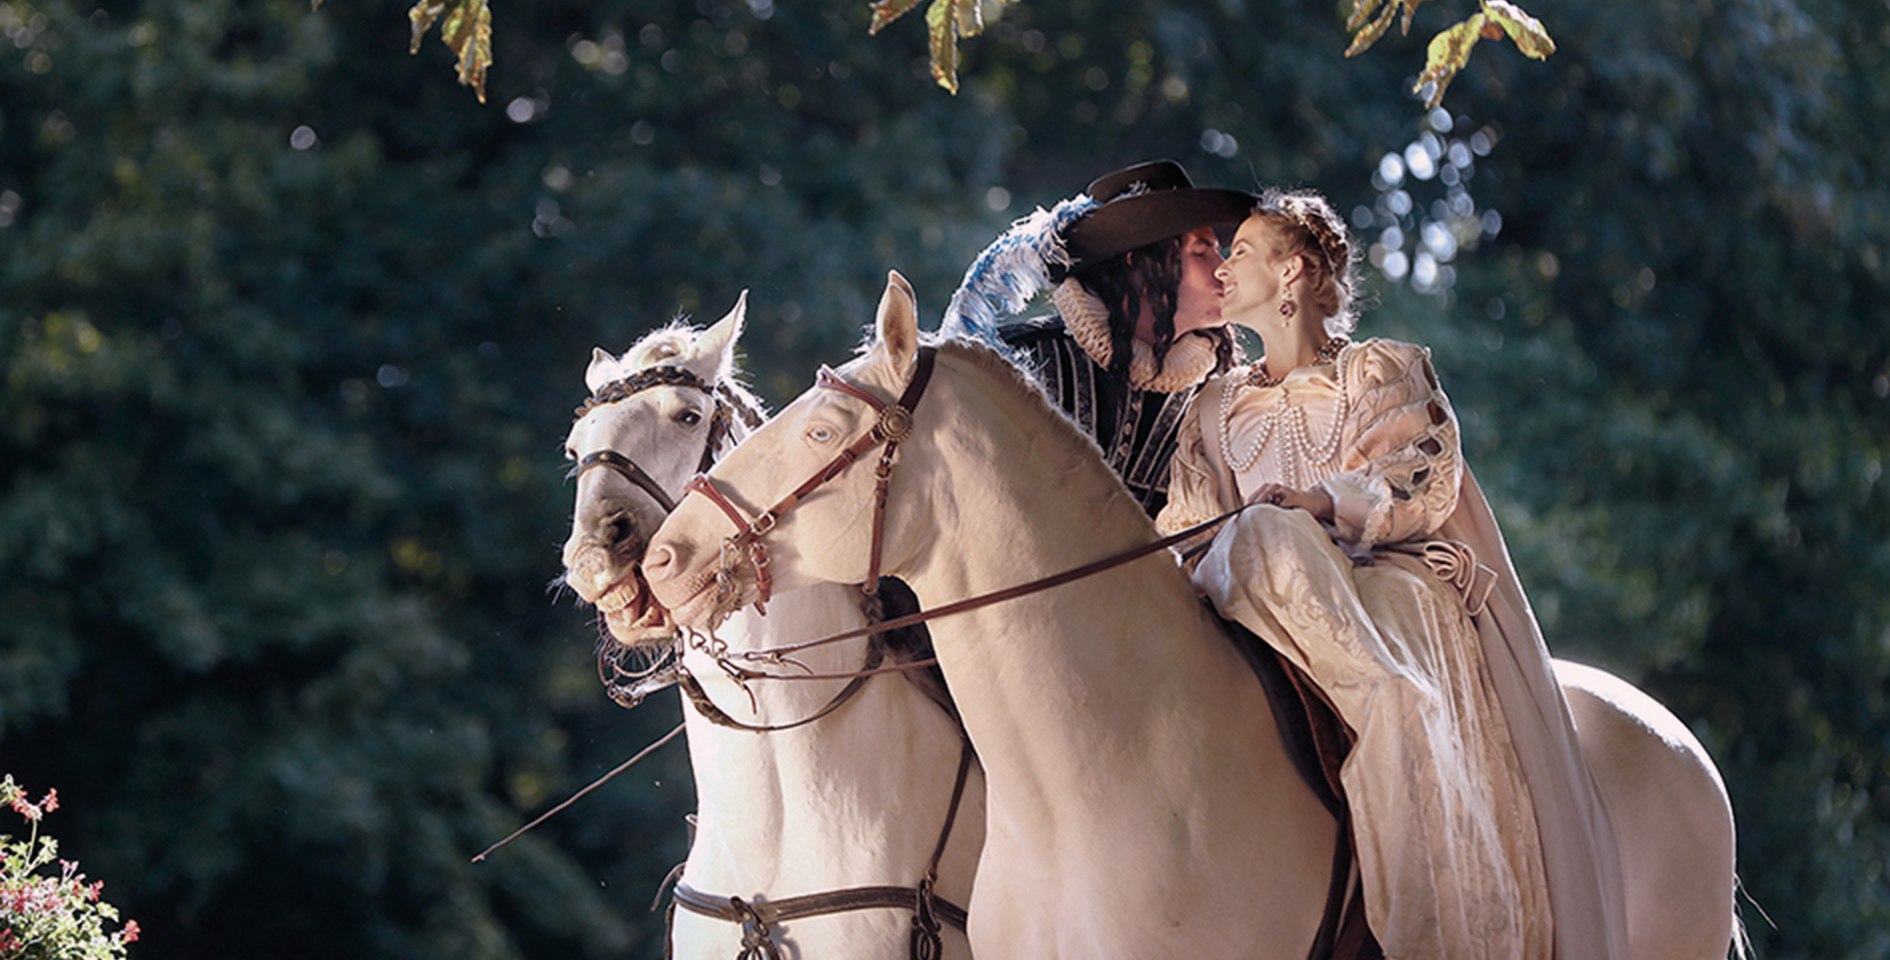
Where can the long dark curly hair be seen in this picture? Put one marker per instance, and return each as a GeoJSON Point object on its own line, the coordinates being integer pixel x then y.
{"type": "Point", "coordinates": [1151, 275]}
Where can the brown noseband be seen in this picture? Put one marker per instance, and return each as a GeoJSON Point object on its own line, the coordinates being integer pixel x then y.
{"type": "Point", "coordinates": [893, 425]}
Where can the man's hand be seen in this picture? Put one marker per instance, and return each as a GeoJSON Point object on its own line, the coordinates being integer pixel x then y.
{"type": "Point", "coordinates": [1315, 501]}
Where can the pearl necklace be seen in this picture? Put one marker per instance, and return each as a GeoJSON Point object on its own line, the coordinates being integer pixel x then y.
{"type": "Point", "coordinates": [1286, 419]}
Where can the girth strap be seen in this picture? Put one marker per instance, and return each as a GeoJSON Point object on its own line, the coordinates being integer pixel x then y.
{"type": "Point", "coordinates": [757, 919]}
{"type": "Point", "coordinates": [738, 910]}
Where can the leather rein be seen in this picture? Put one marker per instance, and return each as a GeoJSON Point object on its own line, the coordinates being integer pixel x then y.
{"type": "Point", "coordinates": [892, 426]}
{"type": "Point", "coordinates": [728, 404]}
{"type": "Point", "coordinates": [895, 422]}
{"type": "Point", "coordinates": [628, 688]}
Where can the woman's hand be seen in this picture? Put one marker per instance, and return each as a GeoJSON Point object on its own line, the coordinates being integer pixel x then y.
{"type": "Point", "coordinates": [1315, 501]}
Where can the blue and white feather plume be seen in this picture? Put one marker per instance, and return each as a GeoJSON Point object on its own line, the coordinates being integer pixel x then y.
{"type": "Point", "coordinates": [1012, 270]}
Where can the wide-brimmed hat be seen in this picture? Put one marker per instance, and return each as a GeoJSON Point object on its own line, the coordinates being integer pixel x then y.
{"type": "Point", "coordinates": [1119, 212]}
{"type": "Point", "coordinates": [1147, 202]}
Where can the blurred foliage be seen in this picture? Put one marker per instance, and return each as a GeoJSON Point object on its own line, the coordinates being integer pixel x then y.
{"type": "Point", "coordinates": [290, 331]}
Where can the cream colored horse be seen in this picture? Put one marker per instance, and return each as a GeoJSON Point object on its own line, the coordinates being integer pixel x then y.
{"type": "Point", "coordinates": [1139, 804]}
{"type": "Point", "coordinates": [856, 798]}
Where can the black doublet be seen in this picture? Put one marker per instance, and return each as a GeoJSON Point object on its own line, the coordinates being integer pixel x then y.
{"type": "Point", "coordinates": [1137, 429]}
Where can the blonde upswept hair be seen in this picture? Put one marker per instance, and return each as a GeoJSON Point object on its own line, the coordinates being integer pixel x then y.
{"type": "Point", "coordinates": [1309, 226]}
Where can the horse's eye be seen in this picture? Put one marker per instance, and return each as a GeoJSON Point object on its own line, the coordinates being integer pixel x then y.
{"type": "Point", "coordinates": [688, 417]}
{"type": "Point", "coordinates": [820, 433]}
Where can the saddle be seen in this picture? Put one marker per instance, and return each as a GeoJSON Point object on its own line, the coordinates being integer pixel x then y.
{"type": "Point", "coordinates": [1317, 742]}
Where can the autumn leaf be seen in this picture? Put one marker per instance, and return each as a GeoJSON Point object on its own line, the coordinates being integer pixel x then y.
{"type": "Point", "coordinates": [1448, 53]}
{"type": "Point", "coordinates": [465, 28]}
{"type": "Point", "coordinates": [1361, 11]}
{"type": "Point", "coordinates": [1525, 30]}
{"type": "Point", "coordinates": [945, 22]}
{"type": "Point", "coordinates": [1369, 34]}
{"type": "Point", "coordinates": [969, 17]}
{"type": "Point", "coordinates": [886, 11]}
{"type": "Point", "coordinates": [941, 24]}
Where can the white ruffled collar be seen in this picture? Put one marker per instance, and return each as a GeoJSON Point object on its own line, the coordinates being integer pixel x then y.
{"type": "Point", "coordinates": [1190, 359]}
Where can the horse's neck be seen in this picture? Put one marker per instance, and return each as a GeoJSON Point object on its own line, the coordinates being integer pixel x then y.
{"type": "Point", "coordinates": [823, 805]}
{"type": "Point", "coordinates": [1123, 675]}
{"type": "Point", "coordinates": [795, 615]}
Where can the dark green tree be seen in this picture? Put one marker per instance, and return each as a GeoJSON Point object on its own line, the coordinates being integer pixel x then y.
{"type": "Point", "coordinates": [291, 327]}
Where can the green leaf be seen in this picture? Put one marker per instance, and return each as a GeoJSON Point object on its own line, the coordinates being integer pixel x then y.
{"type": "Point", "coordinates": [465, 28]}
{"type": "Point", "coordinates": [1448, 53]}
{"type": "Point", "coordinates": [1525, 30]}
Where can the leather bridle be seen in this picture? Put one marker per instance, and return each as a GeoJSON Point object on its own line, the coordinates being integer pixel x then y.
{"type": "Point", "coordinates": [628, 688]}
{"type": "Point", "coordinates": [892, 426]}
{"type": "Point", "coordinates": [726, 405]}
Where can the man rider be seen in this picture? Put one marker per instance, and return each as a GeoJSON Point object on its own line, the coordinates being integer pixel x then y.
{"type": "Point", "coordinates": [1137, 326]}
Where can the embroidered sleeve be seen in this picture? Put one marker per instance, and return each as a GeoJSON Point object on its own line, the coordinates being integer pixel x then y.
{"type": "Point", "coordinates": [1193, 487]}
{"type": "Point", "coordinates": [1402, 452]}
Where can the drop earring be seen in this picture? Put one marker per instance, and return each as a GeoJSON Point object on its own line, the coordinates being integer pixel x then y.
{"type": "Point", "coordinates": [1288, 307]}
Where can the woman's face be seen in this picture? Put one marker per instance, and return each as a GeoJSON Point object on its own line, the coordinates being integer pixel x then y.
{"type": "Point", "coordinates": [1254, 275]}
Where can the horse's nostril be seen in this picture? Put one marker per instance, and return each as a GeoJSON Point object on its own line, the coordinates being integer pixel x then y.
{"type": "Point", "coordinates": [659, 562]}
{"type": "Point", "coordinates": [618, 528]}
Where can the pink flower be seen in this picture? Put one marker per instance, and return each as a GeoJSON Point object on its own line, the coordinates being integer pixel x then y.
{"type": "Point", "coordinates": [130, 933]}
{"type": "Point", "coordinates": [51, 803]}
{"type": "Point", "coordinates": [24, 809]}
{"type": "Point", "coordinates": [8, 941]}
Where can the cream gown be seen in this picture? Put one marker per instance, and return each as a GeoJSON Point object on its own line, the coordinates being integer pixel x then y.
{"type": "Point", "coordinates": [1479, 829]}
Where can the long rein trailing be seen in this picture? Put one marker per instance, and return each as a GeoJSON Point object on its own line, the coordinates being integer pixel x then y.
{"type": "Point", "coordinates": [729, 404]}
{"type": "Point", "coordinates": [779, 655]}
{"type": "Point", "coordinates": [548, 814]}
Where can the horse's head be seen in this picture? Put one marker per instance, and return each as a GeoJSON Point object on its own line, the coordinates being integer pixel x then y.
{"type": "Point", "coordinates": [656, 416]}
{"type": "Point", "coordinates": [827, 535]}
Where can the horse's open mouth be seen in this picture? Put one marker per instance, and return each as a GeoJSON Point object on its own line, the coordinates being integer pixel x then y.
{"type": "Point", "coordinates": [704, 603]}
{"type": "Point", "coordinates": [632, 612]}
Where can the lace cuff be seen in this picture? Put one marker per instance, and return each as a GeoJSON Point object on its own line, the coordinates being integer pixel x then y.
{"type": "Point", "coordinates": [1361, 507]}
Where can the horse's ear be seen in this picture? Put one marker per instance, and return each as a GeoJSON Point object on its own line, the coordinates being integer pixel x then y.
{"type": "Point", "coordinates": [715, 349]}
{"type": "Point", "coordinates": [898, 321]}
{"type": "Point", "coordinates": [602, 370]}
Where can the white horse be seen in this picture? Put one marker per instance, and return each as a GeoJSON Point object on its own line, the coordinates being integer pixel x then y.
{"type": "Point", "coordinates": [857, 798]}
{"type": "Point", "coordinates": [1139, 803]}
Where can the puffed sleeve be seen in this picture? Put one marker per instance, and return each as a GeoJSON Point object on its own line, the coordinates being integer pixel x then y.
{"type": "Point", "coordinates": [1402, 454]}
{"type": "Point", "coordinates": [1194, 483]}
